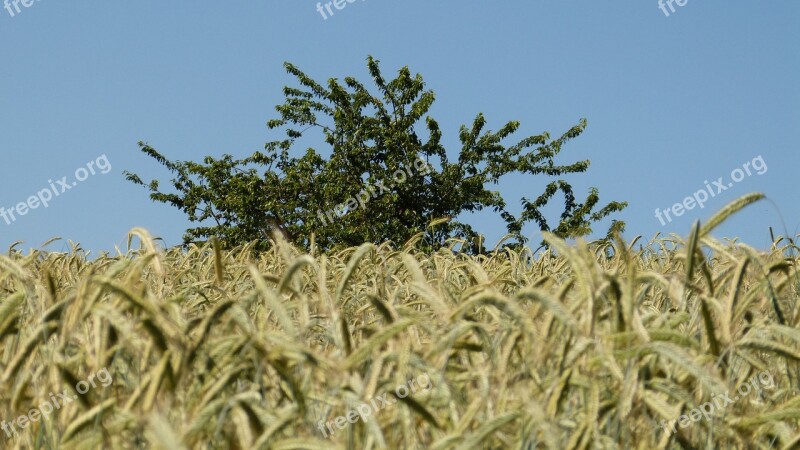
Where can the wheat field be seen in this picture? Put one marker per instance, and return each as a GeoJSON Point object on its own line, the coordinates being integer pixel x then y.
{"type": "Point", "coordinates": [587, 345]}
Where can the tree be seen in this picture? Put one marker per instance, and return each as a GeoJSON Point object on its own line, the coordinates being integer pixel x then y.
{"type": "Point", "coordinates": [373, 140]}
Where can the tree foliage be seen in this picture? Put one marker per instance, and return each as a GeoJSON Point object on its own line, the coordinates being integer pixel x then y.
{"type": "Point", "coordinates": [373, 139]}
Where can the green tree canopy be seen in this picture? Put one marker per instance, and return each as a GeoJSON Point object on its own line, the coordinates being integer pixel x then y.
{"type": "Point", "coordinates": [375, 152]}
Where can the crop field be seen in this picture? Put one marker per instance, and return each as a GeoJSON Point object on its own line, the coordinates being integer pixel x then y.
{"type": "Point", "coordinates": [587, 345]}
{"type": "Point", "coordinates": [417, 225]}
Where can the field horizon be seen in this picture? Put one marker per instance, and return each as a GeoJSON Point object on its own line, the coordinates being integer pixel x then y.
{"type": "Point", "coordinates": [590, 345]}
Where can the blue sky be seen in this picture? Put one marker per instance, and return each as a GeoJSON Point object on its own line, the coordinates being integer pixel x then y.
{"type": "Point", "coordinates": [671, 102]}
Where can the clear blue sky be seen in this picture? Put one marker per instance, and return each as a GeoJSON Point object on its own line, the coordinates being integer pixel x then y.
{"type": "Point", "coordinates": [671, 101]}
